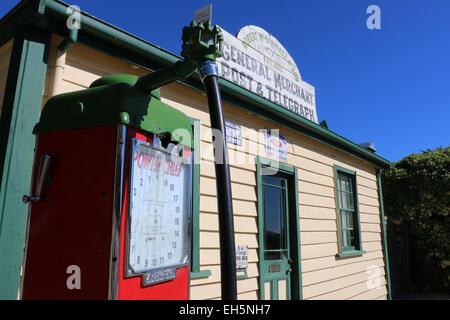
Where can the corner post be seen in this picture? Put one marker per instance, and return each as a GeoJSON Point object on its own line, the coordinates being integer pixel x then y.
{"type": "Point", "coordinates": [383, 226]}
{"type": "Point", "coordinates": [21, 109]}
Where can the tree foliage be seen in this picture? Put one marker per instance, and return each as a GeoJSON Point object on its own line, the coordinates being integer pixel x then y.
{"type": "Point", "coordinates": [416, 191]}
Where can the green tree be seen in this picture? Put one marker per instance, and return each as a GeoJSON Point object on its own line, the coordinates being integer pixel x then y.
{"type": "Point", "coordinates": [416, 191]}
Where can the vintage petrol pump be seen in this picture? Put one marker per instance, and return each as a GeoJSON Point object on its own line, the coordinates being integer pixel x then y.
{"type": "Point", "coordinates": [111, 192]}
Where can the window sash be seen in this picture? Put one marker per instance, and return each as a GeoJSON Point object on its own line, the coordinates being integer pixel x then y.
{"type": "Point", "coordinates": [347, 230]}
{"type": "Point", "coordinates": [275, 210]}
{"type": "Point", "coordinates": [347, 209]}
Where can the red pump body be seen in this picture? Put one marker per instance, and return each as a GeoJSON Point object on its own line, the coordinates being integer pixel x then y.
{"type": "Point", "coordinates": [70, 245]}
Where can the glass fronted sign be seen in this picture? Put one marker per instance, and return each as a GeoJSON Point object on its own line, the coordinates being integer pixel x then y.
{"type": "Point", "coordinates": [158, 217]}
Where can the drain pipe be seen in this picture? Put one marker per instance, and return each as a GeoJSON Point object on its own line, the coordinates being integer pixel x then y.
{"type": "Point", "coordinates": [68, 42]}
{"type": "Point", "coordinates": [60, 60]}
{"type": "Point", "coordinates": [209, 74]}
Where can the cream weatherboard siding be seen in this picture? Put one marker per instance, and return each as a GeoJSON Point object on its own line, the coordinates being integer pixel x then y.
{"type": "Point", "coordinates": [323, 275]}
{"type": "Point", "coordinates": [5, 55]}
{"type": "Point", "coordinates": [82, 66]}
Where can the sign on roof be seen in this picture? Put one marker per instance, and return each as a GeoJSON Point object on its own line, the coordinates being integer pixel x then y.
{"type": "Point", "coordinates": [256, 61]}
{"type": "Point", "coordinates": [203, 15]}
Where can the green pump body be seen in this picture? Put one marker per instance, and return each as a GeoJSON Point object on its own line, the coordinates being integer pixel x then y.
{"type": "Point", "coordinates": [113, 99]}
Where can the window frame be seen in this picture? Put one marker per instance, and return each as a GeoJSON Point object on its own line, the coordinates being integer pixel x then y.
{"type": "Point", "coordinates": [283, 218]}
{"type": "Point", "coordinates": [195, 271]}
{"type": "Point", "coordinates": [355, 249]}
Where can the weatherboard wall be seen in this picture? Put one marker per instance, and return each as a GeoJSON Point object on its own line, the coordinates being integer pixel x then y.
{"type": "Point", "coordinates": [323, 275]}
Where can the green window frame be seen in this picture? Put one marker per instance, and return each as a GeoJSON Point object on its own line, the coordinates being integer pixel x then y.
{"type": "Point", "coordinates": [349, 226]}
{"type": "Point", "coordinates": [275, 245]}
{"type": "Point", "coordinates": [195, 241]}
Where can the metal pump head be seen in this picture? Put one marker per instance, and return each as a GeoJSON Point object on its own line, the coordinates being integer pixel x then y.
{"type": "Point", "coordinates": [201, 42]}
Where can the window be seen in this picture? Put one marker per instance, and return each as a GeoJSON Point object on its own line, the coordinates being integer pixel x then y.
{"type": "Point", "coordinates": [348, 213]}
{"type": "Point", "coordinates": [275, 215]}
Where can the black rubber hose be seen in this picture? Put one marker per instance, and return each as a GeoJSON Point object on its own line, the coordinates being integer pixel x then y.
{"type": "Point", "coordinates": [223, 185]}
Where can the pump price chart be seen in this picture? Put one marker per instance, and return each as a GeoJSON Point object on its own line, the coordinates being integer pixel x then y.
{"type": "Point", "coordinates": [158, 210]}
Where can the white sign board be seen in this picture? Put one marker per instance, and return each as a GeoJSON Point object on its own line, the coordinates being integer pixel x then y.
{"type": "Point", "coordinates": [256, 61]}
{"type": "Point", "coordinates": [158, 211]}
{"type": "Point", "coordinates": [233, 133]}
{"type": "Point", "coordinates": [241, 257]}
{"type": "Point", "coordinates": [203, 15]}
{"type": "Point", "coordinates": [276, 146]}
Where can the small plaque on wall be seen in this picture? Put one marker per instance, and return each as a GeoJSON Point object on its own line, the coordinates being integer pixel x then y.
{"type": "Point", "coordinates": [241, 257]}
{"type": "Point", "coordinates": [233, 133]}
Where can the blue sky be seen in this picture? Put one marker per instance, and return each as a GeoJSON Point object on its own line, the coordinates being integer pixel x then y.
{"type": "Point", "coordinates": [389, 86]}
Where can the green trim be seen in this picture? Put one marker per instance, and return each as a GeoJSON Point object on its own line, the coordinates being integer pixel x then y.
{"type": "Point", "coordinates": [294, 244]}
{"type": "Point", "coordinates": [69, 41]}
{"type": "Point", "coordinates": [105, 37]}
{"type": "Point", "coordinates": [94, 29]}
{"type": "Point", "coordinates": [24, 14]}
{"type": "Point", "coordinates": [348, 251]}
{"type": "Point", "coordinates": [383, 228]}
{"type": "Point", "coordinates": [275, 164]}
{"type": "Point", "coordinates": [241, 273]}
{"type": "Point", "coordinates": [348, 254]}
{"type": "Point", "coordinates": [200, 274]}
{"type": "Point", "coordinates": [274, 290]}
{"type": "Point", "coordinates": [21, 108]}
{"type": "Point", "coordinates": [297, 276]}
{"type": "Point", "coordinates": [195, 254]}
{"type": "Point", "coordinates": [262, 273]}
{"type": "Point", "coordinates": [345, 170]}
{"type": "Point", "coordinates": [195, 249]}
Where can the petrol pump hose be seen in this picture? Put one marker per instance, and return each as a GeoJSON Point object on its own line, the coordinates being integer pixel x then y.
{"type": "Point", "coordinates": [209, 74]}
{"type": "Point", "coordinates": [202, 45]}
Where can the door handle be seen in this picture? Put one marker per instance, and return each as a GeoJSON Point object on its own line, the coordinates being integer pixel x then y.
{"type": "Point", "coordinates": [288, 270]}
